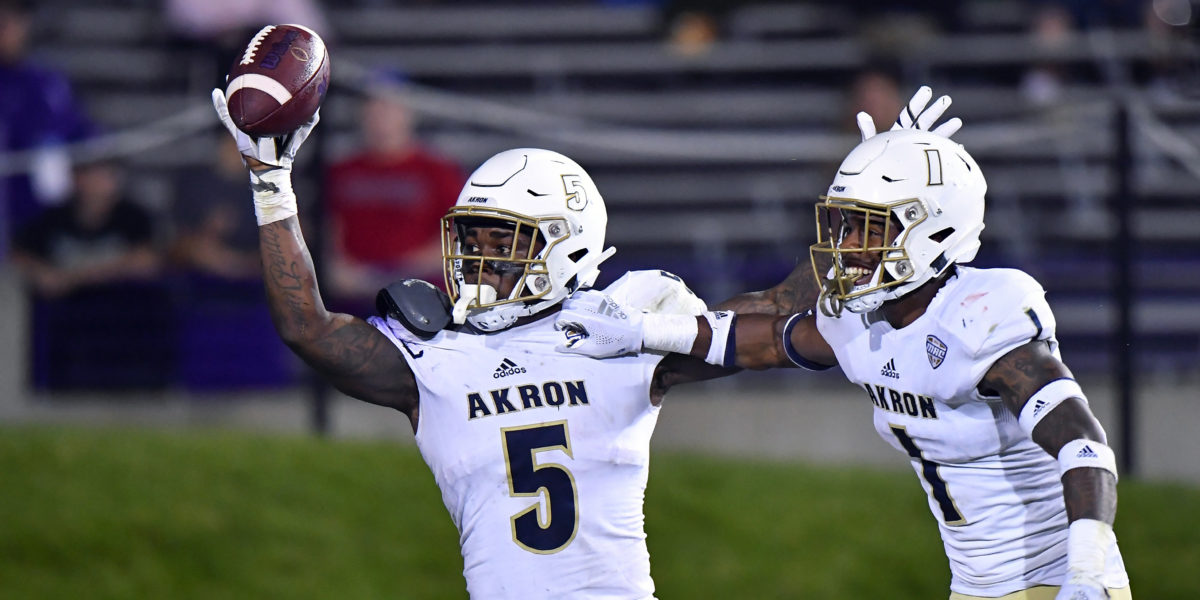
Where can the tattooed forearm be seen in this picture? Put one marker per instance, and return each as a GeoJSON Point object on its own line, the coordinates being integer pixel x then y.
{"type": "Point", "coordinates": [797, 293]}
{"type": "Point", "coordinates": [1090, 494]}
{"type": "Point", "coordinates": [288, 274]}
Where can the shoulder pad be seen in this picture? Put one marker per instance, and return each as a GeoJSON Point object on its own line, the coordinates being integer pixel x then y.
{"type": "Point", "coordinates": [420, 306]}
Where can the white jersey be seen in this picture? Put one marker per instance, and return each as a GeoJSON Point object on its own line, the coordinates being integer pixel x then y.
{"type": "Point", "coordinates": [541, 458]}
{"type": "Point", "coordinates": [996, 494]}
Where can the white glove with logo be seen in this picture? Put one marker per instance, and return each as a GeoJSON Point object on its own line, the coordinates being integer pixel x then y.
{"type": "Point", "coordinates": [918, 114]}
{"type": "Point", "coordinates": [655, 291]}
{"type": "Point", "coordinates": [596, 326]}
{"type": "Point", "coordinates": [272, 187]}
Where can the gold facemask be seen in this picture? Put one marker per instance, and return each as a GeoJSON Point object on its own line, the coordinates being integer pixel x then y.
{"type": "Point", "coordinates": [835, 222]}
{"type": "Point", "coordinates": [533, 281]}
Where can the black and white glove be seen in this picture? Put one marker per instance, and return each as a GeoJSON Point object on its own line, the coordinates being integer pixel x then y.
{"type": "Point", "coordinates": [595, 325]}
{"type": "Point", "coordinates": [271, 186]}
{"type": "Point", "coordinates": [917, 114]}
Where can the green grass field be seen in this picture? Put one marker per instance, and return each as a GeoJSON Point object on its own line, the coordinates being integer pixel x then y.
{"type": "Point", "coordinates": [134, 514]}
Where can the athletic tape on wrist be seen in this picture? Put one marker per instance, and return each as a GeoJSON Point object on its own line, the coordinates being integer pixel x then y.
{"type": "Point", "coordinates": [1084, 453]}
{"type": "Point", "coordinates": [722, 351]}
{"type": "Point", "coordinates": [1088, 543]}
{"type": "Point", "coordinates": [1047, 399]}
{"type": "Point", "coordinates": [669, 333]}
{"type": "Point", "coordinates": [273, 196]}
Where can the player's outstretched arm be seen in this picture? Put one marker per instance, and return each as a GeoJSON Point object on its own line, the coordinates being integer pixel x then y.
{"type": "Point", "coordinates": [596, 325]}
{"type": "Point", "coordinates": [357, 358]}
{"type": "Point", "coordinates": [1038, 388]}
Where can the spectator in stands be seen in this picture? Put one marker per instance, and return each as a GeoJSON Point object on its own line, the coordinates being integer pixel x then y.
{"type": "Point", "coordinates": [384, 204]}
{"type": "Point", "coordinates": [214, 233]}
{"type": "Point", "coordinates": [97, 237]}
{"type": "Point", "coordinates": [100, 314]}
{"type": "Point", "coordinates": [896, 29]}
{"type": "Point", "coordinates": [875, 91]}
{"type": "Point", "coordinates": [1091, 14]}
{"type": "Point", "coordinates": [37, 113]}
{"type": "Point", "coordinates": [1052, 26]}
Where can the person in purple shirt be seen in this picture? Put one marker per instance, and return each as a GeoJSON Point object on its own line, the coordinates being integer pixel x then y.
{"type": "Point", "coordinates": [37, 110]}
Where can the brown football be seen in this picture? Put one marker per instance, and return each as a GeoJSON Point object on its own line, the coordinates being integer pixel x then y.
{"type": "Point", "coordinates": [279, 81]}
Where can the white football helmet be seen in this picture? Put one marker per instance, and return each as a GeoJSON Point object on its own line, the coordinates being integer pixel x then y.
{"type": "Point", "coordinates": [922, 185]}
{"type": "Point", "coordinates": [536, 192]}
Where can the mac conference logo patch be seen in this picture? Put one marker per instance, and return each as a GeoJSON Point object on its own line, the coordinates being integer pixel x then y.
{"type": "Point", "coordinates": [935, 349]}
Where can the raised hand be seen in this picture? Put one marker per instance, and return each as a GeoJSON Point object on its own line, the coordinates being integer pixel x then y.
{"type": "Point", "coordinates": [269, 160]}
{"type": "Point", "coordinates": [917, 114]}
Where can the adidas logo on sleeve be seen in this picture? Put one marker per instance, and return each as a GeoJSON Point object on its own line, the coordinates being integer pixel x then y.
{"type": "Point", "coordinates": [506, 368]}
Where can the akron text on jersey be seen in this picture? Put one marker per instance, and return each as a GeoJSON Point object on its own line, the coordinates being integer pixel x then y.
{"type": "Point", "coordinates": [524, 397]}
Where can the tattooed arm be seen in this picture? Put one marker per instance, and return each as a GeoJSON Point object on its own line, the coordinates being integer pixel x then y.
{"type": "Point", "coordinates": [797, 293]}
{"type": "Point", "coordinates": [1090, 493]}
{"type": "Point", "coordinates": [357, 358]}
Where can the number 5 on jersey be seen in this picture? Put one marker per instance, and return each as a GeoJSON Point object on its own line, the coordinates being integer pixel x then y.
{"type": "Point", "coordinates": [534, 530]}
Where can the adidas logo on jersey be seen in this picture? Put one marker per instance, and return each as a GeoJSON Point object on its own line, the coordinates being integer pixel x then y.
{"type": "Point", "coordinates": [1086, 452]}
{"type": "Point", "coordinates": [889, 370]}
{"type": "Point", "coordinates": [507, 368]}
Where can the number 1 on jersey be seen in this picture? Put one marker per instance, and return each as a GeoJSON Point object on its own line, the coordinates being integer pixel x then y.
{"type": "Point", "coordinates": [533, 530]}
{"type": "Point", "coordinates": [929, 472]}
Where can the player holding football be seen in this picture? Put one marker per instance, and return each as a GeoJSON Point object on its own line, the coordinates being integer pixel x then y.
{"type": "Point", "coordinates": [961, 365]}
{"type": "Point", "coordinates": [542, 458]}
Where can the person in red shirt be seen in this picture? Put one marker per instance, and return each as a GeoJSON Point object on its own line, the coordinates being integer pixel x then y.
{"type": "Point", "coordinates": [385, 203]}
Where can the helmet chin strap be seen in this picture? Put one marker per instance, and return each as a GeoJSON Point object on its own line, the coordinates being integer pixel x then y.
{"type": "Point", "coordinates": [468, 294]}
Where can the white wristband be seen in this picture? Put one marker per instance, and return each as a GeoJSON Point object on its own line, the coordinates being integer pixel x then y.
{"type": "Point", "coordinates": [721, 322]}
{"type": "Point", "coordinates": [669, 333]}
{"type": "Point", "coordinates": [273, 196]}
{"type": "Point", "coordinates": [1047, 399]}
{"type": "Point", "coordinates": [1083, 453]}
{"type": "Point", "coordinates": [1088, 543]}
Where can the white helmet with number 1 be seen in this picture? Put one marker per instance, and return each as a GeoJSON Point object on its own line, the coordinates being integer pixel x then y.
{"type": "Point", "coordinates": [927, 194]}
{"type": "Point", "coordinates": [536, 192]}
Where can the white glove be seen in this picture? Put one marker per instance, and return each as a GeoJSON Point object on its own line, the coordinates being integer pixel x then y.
{"type": "Point", "coordinates": [918, 114]}
{"type": "Point", "coordinates": [1088, 541]}
{"type": "Point", "coordinates": [655, 291]}
{"type": "Point", "coordinates": [1083, 589]}
{"type": "Point", "coordinates": [272, 188]}
{"type": "Point", "coordinates": [596, 326]}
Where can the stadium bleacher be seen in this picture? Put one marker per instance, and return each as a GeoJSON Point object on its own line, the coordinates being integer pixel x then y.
{"type": "Point", "coordinates": [710, 163]}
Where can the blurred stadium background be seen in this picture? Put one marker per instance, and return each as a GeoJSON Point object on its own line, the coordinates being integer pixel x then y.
{"type": "Point", "coordinates": [710, 127]}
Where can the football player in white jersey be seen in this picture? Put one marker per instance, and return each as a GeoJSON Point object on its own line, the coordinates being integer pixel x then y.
{"type": "Point", "coordinates": [961, 365]}
{"type": "Point", "coordinates": [541, 458]}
